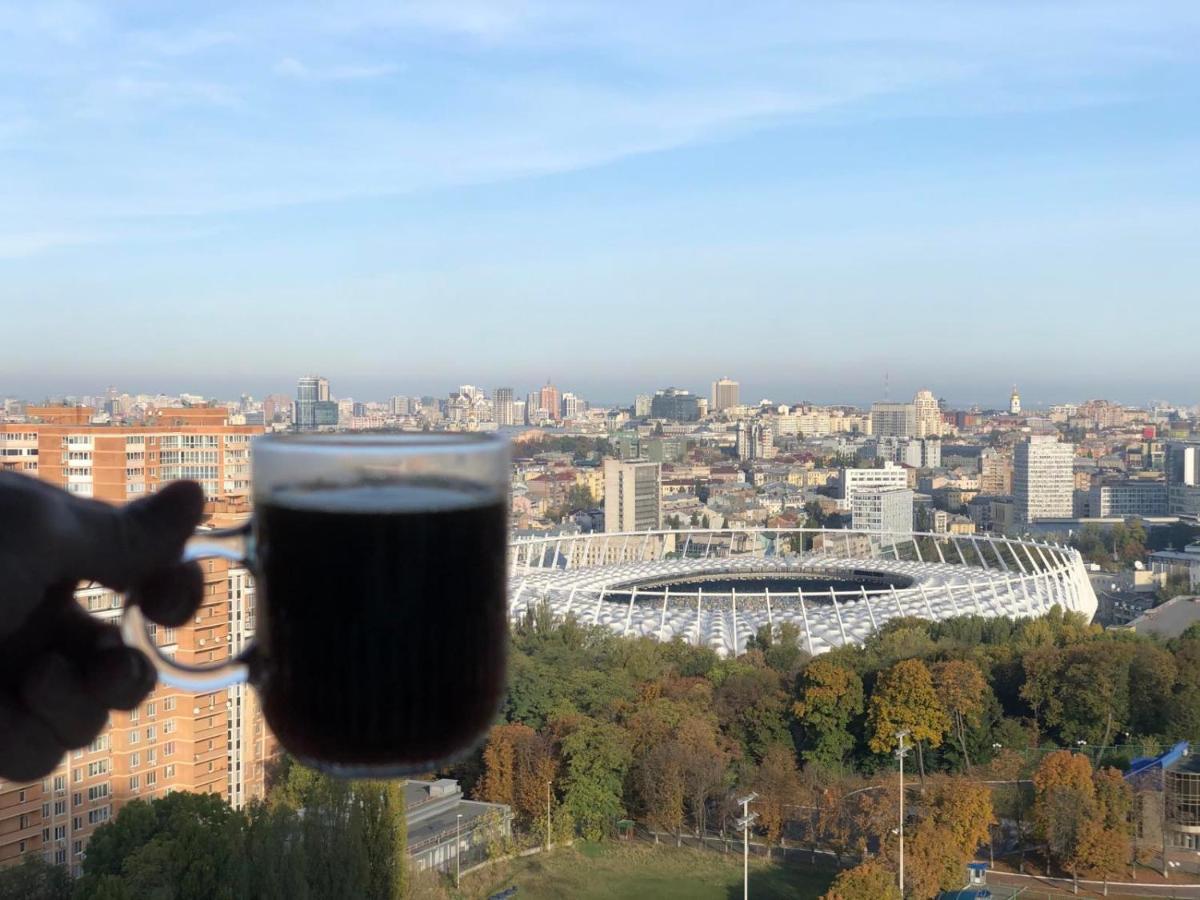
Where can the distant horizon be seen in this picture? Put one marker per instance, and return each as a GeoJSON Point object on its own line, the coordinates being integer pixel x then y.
{"type": "Point", "coordinates": [609, 398]}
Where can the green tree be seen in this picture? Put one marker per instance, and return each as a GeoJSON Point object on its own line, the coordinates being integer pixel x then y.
{"type": "Point", "coordinates": [829, 697]}
{"type": "Point", "coordinates": [752, 708]}
{"type": "Point", "coordinates": [580, 497]}
{"type": "Point", "coordinates": [597, 757]}
{"type": "Point", "coordinates": [904, 700]}
{"type": "Point", "coordinates": [182, 846]}
{"type": "Point", "coordinates": [34, 879]}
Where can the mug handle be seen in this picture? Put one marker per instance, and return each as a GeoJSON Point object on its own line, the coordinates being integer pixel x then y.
{"type": "Point", "coordinates": [226, 543]}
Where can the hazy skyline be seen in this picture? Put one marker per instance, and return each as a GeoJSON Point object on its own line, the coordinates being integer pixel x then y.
{"type": "Point", "coordinates": [406, 197]}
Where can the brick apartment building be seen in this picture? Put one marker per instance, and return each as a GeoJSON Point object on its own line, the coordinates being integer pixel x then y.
{"type": "Point", "coordinates": [214, 742]}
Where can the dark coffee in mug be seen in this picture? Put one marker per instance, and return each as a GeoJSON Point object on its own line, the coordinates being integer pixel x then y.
{"type": "Point", "coordinates": [382, 627]}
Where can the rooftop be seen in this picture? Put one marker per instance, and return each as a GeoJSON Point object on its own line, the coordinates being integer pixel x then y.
{"type": "Point", "coordinates": [1170, 619]}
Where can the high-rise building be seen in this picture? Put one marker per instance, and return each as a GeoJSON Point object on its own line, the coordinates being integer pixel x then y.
{"type": "Point", "coordinates": [928, 415]}
{"type": "Point", "coordinates": [883, 509]}
{"type": "Point", "coordinates": [889, 476]}
{"type": "Point", "coordinates": [1043, 480]}
{"type": "Point", "coordinates": [1014, 403]}
{"type": "Point", "coordinates": [572, 406]}
{"type": "Point", "coordinates": [1182, 464]}
{"type": "Point", "coordinates": [123, 462]}
{"type": "Point", "coordinates": [673, 403]}
{"type": "Point", "coordinates": [755, 440]}
{"type": "Point", "coordinates": [641, 406]}
{"type": "Point", "coordinates": [726, 393]}
{"type": "Point", "coordinates": [995, 472]}
{"type": "Point", "coordinates": [502, 403]}
{"type": "Point", "coordinates": [893, 419]}
{"type": "Point", "coordinates": [550, 400]}
{"type": "Point", "coordinates": [632, 495]}
{"type": "Point", "coordinates": [401, 406]}
{"type": "Point", "coordinates": [534, 413]}
{"type": "Point", "coordinates": [920, 453]}
{"type": "Point", "coordinates": [310, 390]}
{"type": "Point", "coordinates": [210, 742]}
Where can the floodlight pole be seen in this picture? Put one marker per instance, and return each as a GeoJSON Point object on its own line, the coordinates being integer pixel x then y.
{"type": "Point", "coordinates": [745, 822]}
{"type": "Point", "coordinates": [457, 850]}
{"type": "Point", "coordinates": [901, 752]}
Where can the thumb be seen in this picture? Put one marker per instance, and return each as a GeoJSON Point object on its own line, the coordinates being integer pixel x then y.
{"type": "Point", "coordinates": [119, 546]}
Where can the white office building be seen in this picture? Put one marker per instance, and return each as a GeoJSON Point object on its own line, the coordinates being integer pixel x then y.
{"type": "Point", "coordinates": [890, 476]}
{"type": "Point", "coordinates": [1043, 480]}
{"type": "Point", "coordinates": [883, 509]}
{"type": "Point", "coordinates": [1183, 478]}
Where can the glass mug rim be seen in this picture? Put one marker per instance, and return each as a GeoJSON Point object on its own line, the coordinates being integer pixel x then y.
{"type": "Point", "coordinates": [379, 441]}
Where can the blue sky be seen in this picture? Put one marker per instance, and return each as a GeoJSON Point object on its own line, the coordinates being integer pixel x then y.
{"type": "Point", "coordinates": [405, 197]}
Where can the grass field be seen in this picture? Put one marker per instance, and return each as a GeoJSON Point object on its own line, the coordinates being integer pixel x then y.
{"type": "Point", "coordinates": [618, 870]}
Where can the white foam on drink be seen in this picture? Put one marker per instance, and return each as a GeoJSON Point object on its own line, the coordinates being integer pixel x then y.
{"type": "Point", "coordinates": [385, 498]}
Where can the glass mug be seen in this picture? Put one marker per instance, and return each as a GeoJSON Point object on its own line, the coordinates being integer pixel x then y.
{"type": "Point", "coordinates": [381, 608]}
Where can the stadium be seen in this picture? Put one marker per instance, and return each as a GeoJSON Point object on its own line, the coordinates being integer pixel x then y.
{"type": "Point", "coordinates": [717, 588]}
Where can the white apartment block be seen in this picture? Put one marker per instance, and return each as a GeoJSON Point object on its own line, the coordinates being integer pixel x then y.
{"type": "Point", "coordinates": [632, 495]}
{"type": "Point", "coordinates": [1043, 480]}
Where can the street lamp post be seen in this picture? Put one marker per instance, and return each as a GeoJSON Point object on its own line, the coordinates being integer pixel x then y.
{"type": "Point", "coordinates": [744, 823]}
{"type": "Point", "coordinates": [457, 849]}
{"type": "Point", "coordinates": [901, 752]}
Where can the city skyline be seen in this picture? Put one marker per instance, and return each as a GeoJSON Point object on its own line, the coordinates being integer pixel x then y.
{"type": "Point", "coordinates": [997, 189]}
{"type": "Point", "coordinates": [372, 390]}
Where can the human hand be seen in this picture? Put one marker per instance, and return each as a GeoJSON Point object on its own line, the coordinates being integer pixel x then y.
{"type": "Point", "coordinates": [62, 669]}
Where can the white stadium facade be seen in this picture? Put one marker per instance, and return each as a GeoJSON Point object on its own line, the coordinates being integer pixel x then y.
{"type": "Point", "coordinates": [717, 588]}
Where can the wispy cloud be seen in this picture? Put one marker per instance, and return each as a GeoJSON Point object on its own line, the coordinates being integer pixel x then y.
{"type": "Point", "coordinates": [495, 90]}
{"type": "Point", "coordinates": [20, 245]}
{"type": "Point", "coordinates": [290, 67]}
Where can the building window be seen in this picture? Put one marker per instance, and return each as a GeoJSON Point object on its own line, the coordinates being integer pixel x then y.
{"type": "Point", "coordinates": [98, 815]}
{"type": "Point", "coordinates": [135, 782]}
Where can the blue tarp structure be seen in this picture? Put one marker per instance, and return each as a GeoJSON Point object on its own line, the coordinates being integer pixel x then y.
{"type": "Point", "coordinates": [1164, 760]}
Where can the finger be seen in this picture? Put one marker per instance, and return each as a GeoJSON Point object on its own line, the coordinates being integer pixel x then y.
{"type": "Point", "coordinates": [118, 546]}
{"type": "Point", "coordinates": [171, 595]}
{"type": "Point", "coordinates": [55, 694]}
{"type": "Point", "coordinates": [115, 676]}
{"type": "Point", "coordinates": [119, 678]}
{"type": "Point", "coordinates": [29, 750]}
